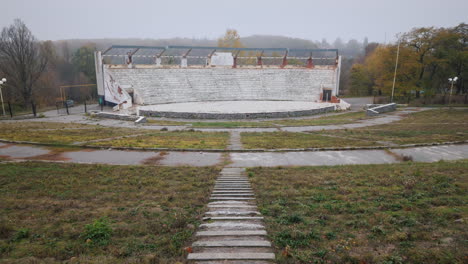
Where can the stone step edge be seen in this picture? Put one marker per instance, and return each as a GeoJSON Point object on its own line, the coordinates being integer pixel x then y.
{"type": "Point", "coordinates": [232, 198]}
{"type": "Point", "coordinates": [232, 243]}
{"type": "Point", "coordinates": [232, 206]}
{"type": "Point", "coordinates": [233, 218]}
{"type": "Point", "coordinates": [232, 233]}
{"type": "Point", "coordinates": [230, 256]}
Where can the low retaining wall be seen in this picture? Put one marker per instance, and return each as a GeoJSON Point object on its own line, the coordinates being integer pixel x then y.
{"type": "Point", "coordinates": [375, 110]}
{"type": "Point", "coordinates": [136, 119]}
{"type": "Point", "coordinates": [187, 115]}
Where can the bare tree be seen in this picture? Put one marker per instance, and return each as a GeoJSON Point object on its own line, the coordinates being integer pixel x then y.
{"type": "Point", "coordinates": [22, 59]}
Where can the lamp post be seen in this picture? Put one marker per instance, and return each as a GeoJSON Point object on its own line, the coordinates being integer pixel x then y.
{"type": "Point", "coordinates": [396, 66]}
{"type": "Point", "coordinates": [451, 80]}
{"type": "Point", "coordinates": [1, 93]}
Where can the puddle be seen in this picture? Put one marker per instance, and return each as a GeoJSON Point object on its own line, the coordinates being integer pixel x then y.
{"type": "Point", "coordinates": [18, 152]}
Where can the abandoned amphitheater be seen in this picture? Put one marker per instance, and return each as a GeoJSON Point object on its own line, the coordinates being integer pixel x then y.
{"type": "Point", "coordinates": [219, 83]}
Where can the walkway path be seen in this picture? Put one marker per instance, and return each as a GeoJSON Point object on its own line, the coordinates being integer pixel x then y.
{"type": "Point", "coordinates": [233, 229]}
{"type": "Point", "coordinates": [235, 140]}
{"type": "Point", "coordinates": [80, 118]}
{"type": "Point", "coordinates": [17, 152]}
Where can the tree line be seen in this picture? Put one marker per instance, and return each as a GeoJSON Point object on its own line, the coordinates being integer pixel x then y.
{"type": "Point", "coordinates": [34, 70]}
{"type": "Point", "coordinates": [427, 57]}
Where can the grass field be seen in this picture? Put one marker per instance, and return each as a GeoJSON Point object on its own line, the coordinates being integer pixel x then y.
{"type": "Point", "coordinates": [182, 139]}
{"type": "Point", "coordinates": [284, 140]}
{"type": "Point", "coordinates": [438, 125]}
{"type": "Point", "coordinates": [335, 119]}
{"type": "Point", "coordinates": [57, 133]}
{"type": "Point", "coordinates": [79, 134]}
{"type": "Point", "coordinates": [402, 213]}
{"type": "Point", "coordinates": [428, 126]}
{"type": "Point", "coordinates": [99, 213]}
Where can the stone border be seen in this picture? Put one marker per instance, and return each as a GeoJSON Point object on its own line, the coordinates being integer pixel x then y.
{"type": "Point", "coordinates": [191, 115]}
{"type": "Point", "coordinates": [134, 118]}
{"type": "Point", "coordinates": [374, 110]}
{"type": "Point", "coordinates": [239, 150]}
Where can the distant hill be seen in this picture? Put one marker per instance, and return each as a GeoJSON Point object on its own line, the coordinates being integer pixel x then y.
{"type": "Point", "coordinates": [350, 49]}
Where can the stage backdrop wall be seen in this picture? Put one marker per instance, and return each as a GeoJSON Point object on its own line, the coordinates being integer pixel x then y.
{"type": "Point", "coordinates": [163, 85]}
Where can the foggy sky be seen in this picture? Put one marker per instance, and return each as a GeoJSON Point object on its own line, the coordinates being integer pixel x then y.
{"type": "Point", "coordinates": [309, 19]}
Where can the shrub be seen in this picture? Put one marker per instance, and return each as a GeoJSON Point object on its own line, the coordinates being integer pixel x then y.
{"type": "Point", "coordinates": [98, 233]}
{"type": "Point", "coordinates": [21, 234]}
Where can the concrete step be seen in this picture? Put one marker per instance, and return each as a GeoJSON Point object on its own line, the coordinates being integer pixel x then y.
{"type": "Point", "coordinates": [233, 225]}
{"type": "Point", "coordinates": [234, 185]}
{"type": "Point", "coordinates": [232, 181]}
{"type": "Point", "coordinates": [232, 206]}
{"type": "Point", "coordinates": [231, 212]}
{"type": "Point", "coordinates": [232, 243]}
{"type": "Point", "coordinates": [230, 202]}
{"type": "Point", "coordinates": [233, 176]}
{"type": "Point", "coordinates": [233, 262]}
{"type": "Point", "coordinates": [228, 256]}
{"type": "Point", "coordinates": [232, 198]}
{"type": "Point", "coordinates": [230, 194]}
{"type": "Point", "coordinates": [229, 191]}
{"type": "Point", "coordinates": [233, 194]}
{"type": "Point", "coordinates": [233, 218]}
{"type": "Point", "coordinates": [232, 189]}
{"type": "Point", "coordinates": [247, 187]}
{"type": "Point", "coordinates": [232, 233]}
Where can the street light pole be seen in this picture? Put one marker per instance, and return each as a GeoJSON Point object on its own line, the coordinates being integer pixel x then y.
{"type": "Point", "coordinates": [1, 94]}
{"type": "Point", "coordinates": [451, 80]}
{"type": "Point", "coordinates": [396, 66]}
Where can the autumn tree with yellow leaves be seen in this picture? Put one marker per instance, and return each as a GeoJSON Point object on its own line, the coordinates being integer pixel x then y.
{"type": "Point", "coordinates": [428, 57]}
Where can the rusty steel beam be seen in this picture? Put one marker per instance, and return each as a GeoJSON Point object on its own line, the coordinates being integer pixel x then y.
{"type": "Point", "coordinates": [187, 53]}
{"type": "Point", "coordinates": [160, 53]}
{"type": "Point", "coordinates": [234, 65]}
{"type": "Point", "coordinates": [104, 52]}
{"type": "Point", "coordinates": [285, 59]}
{"type": "Point", "coordinates": [135, 51]}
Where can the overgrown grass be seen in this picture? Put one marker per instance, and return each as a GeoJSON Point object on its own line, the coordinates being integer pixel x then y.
{"type": "Point", "coordinates": [336, 119]}
{"type": "Point", "coordinates": [69, 133]}
{"type": "Point", "coordinates": [99, 213]}
{"type": "Point", "coordinates": [182, 139]}
{"type": "Point", "coordinates": [58, 133]}
{"type": "Point", "coordinates": [438, 125]}
{"type": "Point", "coordinates": [401, 213]}
{"type": "Point", "coordinates": [428, 126]}
{"type": "Point", "coordinates": [284, 140]}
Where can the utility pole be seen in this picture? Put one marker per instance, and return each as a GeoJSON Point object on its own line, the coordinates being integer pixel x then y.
{"type": "Point", "coordinates": [396, 66]}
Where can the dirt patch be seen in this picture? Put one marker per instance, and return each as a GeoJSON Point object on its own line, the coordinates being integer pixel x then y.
{"type": "Point", "coordinates": [87, 150]}
{"type": "Point", "coordinates": [6, 146]}
{"type": "Point", "coordinates": [53, 155]}
{"type": "Point", "coordinates": [155, 159]}
{"type": "Point", "coordinates": [398, 156]}
{"type": "Point", "coordinates": [5, 157]}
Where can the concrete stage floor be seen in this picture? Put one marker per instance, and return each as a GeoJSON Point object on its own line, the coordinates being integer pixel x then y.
{"type": "Point", "coordinates": [235, 109]}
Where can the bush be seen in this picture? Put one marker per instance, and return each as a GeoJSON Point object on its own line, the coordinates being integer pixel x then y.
{"type": "Point", "coordinates": [21, 234]}
{"type": "Point", "coordinates": [98, 233]}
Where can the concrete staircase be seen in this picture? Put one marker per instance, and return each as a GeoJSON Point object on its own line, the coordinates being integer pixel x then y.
{"type": "Point", "coordinates": [233, 230]}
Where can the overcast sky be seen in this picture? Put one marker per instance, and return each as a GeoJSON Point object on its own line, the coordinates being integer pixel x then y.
{"type": "Point", "coordinates": [309, 19]}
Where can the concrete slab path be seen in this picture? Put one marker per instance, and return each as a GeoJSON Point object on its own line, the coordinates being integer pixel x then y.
{"type": "Point", "coordinates": [16, 152]}
{"type": "Point", "coordinates": [232, 228]}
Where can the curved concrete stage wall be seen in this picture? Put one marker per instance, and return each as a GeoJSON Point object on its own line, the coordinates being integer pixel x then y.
{"type": "Point", "coordinates": [169, 85]}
